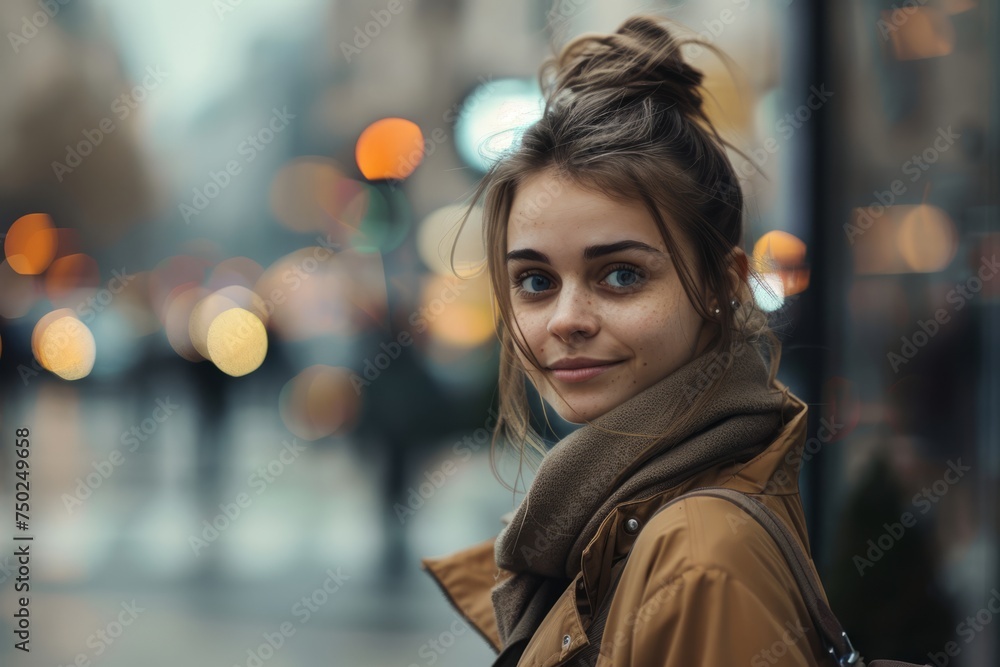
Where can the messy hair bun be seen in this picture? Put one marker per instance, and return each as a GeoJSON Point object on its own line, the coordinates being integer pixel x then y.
{"type": "Point", "coordinates": [642, 58]}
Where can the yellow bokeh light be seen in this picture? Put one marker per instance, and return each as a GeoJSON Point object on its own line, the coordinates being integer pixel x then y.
{"type": "Point", "coordinates": [903, 238]}
{"type": "Point", "coordinates": [237, 342]}
{"type": "Point", "coordinates": [66, 347]}
{"type": "Point", "coordinates": [436, 236]}
{"type": "Point", "coordinates": [43, 323]}
{"type": "Point", "coordinates": [216, 303]}
{"type": "Point", "coordinates": [927, 238]}
{"type": "Point", "coordinates": [202, 316]}
{"type": "Point", "coordinates": [458, 312]}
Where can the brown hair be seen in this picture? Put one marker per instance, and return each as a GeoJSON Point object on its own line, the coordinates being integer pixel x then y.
{"type": "Point", "coordinates": [624, 115]}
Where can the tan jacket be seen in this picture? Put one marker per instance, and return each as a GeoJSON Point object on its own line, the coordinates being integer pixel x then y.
{"type": "Point", "coordinates": [704, 585]}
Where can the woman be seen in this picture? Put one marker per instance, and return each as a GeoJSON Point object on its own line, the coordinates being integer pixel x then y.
{"type": "Point", "coordinates": [613, 233]}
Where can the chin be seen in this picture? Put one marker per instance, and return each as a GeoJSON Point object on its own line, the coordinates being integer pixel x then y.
{"type": "Point", "coordinates": [581, 416]}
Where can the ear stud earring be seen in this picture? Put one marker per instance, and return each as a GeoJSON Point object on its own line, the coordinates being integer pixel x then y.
{"type": "Point", "coordinates": [734, 303]}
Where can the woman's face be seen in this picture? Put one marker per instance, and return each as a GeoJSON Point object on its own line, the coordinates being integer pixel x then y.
{"type": "Point", "coordinates": [591, 279]}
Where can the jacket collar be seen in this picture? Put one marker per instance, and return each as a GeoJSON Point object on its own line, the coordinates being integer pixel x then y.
{"type": "Point", "coordinates": [467, 576]}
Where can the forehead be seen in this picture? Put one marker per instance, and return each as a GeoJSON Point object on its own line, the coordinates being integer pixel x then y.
{"type": "Point", "coordinates": [559, 212]}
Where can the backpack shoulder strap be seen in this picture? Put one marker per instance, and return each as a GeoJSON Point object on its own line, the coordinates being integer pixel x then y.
{"type": "Point", "coordinates": [836, 639]}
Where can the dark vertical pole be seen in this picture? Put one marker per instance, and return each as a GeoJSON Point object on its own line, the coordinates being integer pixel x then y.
{"type": "Point", "coordinates": [823, 306]}
{"type": "Point", "coordinates": [989, 381]}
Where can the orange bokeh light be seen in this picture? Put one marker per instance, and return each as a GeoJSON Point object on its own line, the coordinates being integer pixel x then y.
{"type": "Point", "coordinates": [69, 273]}
{"type": "Point", "coordinates": [389, 148]}
{"type": "Point", "coordinates": [30, 245]}
{"type": "Point", "coordinates": [784, 254]}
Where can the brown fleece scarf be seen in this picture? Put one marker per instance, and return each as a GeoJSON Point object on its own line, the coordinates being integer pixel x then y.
{"type": "Point", "coordinates": [570, 495]}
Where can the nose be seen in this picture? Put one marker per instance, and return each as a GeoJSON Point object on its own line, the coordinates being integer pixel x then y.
{"type": "Point", "coordinates": [573, 314]}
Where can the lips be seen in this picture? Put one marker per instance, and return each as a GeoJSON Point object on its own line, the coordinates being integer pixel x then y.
{"type": "Point", "coordinates": [581, 362]}
{"type": "Point", "coordinates": [584, 373]}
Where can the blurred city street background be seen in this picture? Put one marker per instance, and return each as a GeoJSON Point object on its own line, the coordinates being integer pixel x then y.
{"type": "Point", "coordinates": [255, 393]}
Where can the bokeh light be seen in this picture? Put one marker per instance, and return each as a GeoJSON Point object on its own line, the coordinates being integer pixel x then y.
{"type": "Point", "coordinates": [43, 323]}
{"type": "Point", "coordinates": [901, 239]}
{"type": "Point", "coordinates": [768, 291]}
{"type": "Point", "coordinates": [390, 148]}
{"type": "Point", "coordinates": [177, 319]}
{"type": "Point", "coordinates": [493, 117]}
{"type": "Point", "coordinates": [458, 311]}
{"type": "Point", "coordinates": [927, 238]}
{"type": "Point", "coordinates": [785, 255]}
{"type": "Point", "coordinates": [436, 235]}
{"type": "Point", "coordinates": [319, 401]}
{"type": "Point", "coordinates": [171, 273]}
{"type": "Point", "coordinates": [237, 342]}
{"type": "Point", "coordinates": [73, 277]}
{"type": "Point", "coordinates": [64, 345]}
{"type": "Point", "coordinates": [202, 316]}
{"type": "Point", "coordinates": [314, 292]}
{"type": "Point", "coordinates": [30, 245]}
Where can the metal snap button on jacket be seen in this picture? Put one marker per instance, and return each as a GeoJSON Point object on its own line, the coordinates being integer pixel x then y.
{"type": "Point", "coordinates": [566, 641]}
{"type": "Point", "coordinates": [631, 526]}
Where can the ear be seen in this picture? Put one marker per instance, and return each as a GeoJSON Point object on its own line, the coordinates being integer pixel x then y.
{"type": "Point", "coordinates": [738, 269]}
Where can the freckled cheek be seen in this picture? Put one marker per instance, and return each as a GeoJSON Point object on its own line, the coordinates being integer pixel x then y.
{"type": "Point", "coordinates": [533, 332]}
{"type": "Point", "coordinates": [532, 326]}
{"type": "Point", "coordinates": [653, 332]}
{"type": "Point", "coordinates": [644, 320]}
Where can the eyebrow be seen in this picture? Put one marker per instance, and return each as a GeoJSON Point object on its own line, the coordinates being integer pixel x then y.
{"type": "Point", "coordinates": [589, 253]}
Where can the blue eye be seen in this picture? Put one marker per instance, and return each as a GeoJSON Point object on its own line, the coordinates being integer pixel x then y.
{"type": "Point", "coordinates": [630, 278]}
{"type": "Point", "coordinates": [533, 280]}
